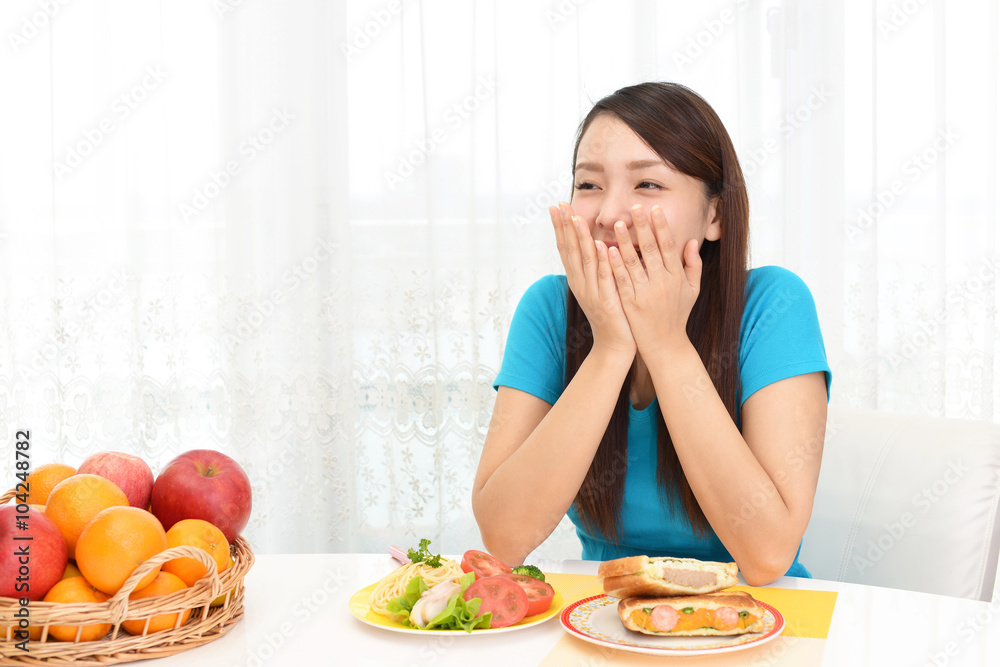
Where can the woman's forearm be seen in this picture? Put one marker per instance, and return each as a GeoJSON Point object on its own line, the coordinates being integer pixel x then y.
{"type": "Point", "coordinates": [535, 481]}
{"type": "Point", "coordinates": [756, 503]}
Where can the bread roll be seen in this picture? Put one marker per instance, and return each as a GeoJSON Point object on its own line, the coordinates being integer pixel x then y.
{"type": "Point", "coordinates": [638, 576]}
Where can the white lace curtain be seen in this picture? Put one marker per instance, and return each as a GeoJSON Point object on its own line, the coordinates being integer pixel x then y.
{"type": "Point", "coordinates": [296, 232]}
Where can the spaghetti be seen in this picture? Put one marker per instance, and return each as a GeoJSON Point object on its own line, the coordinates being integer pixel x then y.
{"type": "Point", "coordinates": [394, 584]}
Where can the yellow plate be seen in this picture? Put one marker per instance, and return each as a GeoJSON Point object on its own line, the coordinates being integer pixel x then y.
{"type": "Point", "coordinates": [359, 607]}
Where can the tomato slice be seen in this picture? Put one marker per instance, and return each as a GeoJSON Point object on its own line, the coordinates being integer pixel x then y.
{"type": "Point", "coordinates": [539, 593]}
{"type": "Point", "coordinates": [483, 564]}
{"type": "Point", "coordinates": [502, 597]}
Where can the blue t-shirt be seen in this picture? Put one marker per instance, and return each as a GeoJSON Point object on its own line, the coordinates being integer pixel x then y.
{"type": "Point", "coordinates": [779, 338]}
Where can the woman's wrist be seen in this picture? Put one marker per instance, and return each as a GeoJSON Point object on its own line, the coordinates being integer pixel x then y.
{"type": "Point", "coordinates": [612, 355]}
{"type": "Point", "coordinates": [664, 348]}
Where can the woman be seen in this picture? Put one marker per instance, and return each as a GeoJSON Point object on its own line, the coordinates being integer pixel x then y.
{"type": "Point", "coordinates": [673, 403]}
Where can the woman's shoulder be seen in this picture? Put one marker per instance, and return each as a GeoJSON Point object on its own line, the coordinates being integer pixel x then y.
{"type": "Point", "coordinates": [775, 284]}
{"type": "Point", "coordinates": [781, 335]}
{"type": "Point", "coordinates": [552, 284]}
{"type": "Point", "coordinates": [771, 275]}
{"type": "Point", "coordinates": [542, 307]}
{"type": "Point", "coordinates": [546, 291]}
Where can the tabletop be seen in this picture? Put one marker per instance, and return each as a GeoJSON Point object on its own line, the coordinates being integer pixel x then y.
{"type": "Point", "coordinates": [297, 613]}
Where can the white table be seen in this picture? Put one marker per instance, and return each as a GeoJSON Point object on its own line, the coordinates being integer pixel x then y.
{"type": "Point", "coordinates": [297, 614]}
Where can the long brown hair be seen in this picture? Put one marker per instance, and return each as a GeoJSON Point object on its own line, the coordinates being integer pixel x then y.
{"type": "Point", "coordinates": [685, 131]}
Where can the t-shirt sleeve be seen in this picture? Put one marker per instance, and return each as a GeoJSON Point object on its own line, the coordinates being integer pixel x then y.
{"type": "Point", "coordinates": [535, 354]}
{"type": "Point", "coordinates": [781, 336]}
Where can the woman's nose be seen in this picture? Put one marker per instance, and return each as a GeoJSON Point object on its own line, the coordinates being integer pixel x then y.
{"type": "Point", "coordinates": [615, 207]}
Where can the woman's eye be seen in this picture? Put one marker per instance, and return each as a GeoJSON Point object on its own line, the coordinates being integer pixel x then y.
{"type": "Point", "coordinates": [647, 185]}
{"type": "Point", "coordinates": [584, 186]}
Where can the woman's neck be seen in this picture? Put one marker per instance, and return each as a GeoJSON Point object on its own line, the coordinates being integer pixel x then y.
{"type": "Point", "coordinates": [642, 392]}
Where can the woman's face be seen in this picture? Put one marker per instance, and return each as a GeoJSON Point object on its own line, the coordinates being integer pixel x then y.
{"type": "Point", "coordinates": [616, 170]}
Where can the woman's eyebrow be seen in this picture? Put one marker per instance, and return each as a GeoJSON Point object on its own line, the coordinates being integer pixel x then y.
{"type": "Point", "coordinates": [633, 165]}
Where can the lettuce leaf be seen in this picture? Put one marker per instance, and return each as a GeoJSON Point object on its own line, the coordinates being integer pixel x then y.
{"type": "Point", "coordinates": [403, 605]}
{"type": "Point", "coordinates": [459, 614]}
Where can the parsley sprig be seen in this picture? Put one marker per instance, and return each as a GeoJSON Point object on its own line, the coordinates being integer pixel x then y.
{"type": "Point", "coordinates": [423, 555]}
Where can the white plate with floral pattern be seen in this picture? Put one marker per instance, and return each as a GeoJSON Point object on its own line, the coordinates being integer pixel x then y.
{"type": "Point", "coordinates": [595, 619]}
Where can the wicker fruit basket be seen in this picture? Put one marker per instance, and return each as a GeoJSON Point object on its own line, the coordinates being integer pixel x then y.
{"type": "Point", "coordinates": [206, 623]}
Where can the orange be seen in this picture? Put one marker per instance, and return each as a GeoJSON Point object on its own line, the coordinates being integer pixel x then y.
{"type": "Point", "coordinates": [196, 533]}
{"type": "Point", "coordinates": [34, 633]}
{"type": "Point", "coordinates": [163, 584]}
{"type": "Point", "coordinates": [44, 478]}
{"type": "Point", "coordinates": [76, 589]}
{"type": "Point", "coordinates": [117, 541]}
{"type": "Point", "coordinates": [221, 600]}
{"type": "Point", "coordinates": [71, 571]}
{"type": "Point", "coordinates": [76, 500]}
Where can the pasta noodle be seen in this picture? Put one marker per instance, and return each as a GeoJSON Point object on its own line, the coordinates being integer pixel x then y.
{"type": "Point", "coordinates": [394, 584]}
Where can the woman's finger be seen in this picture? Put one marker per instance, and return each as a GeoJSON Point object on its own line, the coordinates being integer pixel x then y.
{"type": "Point", "coordinates": [605, 276]}
{"type": "Point", "coordinates": [630, 260]}
{"type": "Point", "coordinates": [557, 226]}
{"type": "Point", "coordinates": [623, 280]}
{"type": "Point", "coordinates": [665, 240]}
{"type": "Point", "coordinates": [692, 265]}
{"type": "Point", "coordinates": [571, 243]}
{"type": "Point", "coordinates": [588, 252]}
{"type": "Point", "coordinates": [649, 250]}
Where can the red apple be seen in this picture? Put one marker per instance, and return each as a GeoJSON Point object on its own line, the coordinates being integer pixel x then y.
{"type": "Point", "coordinates": [45, 560]}
{"type": "Point", "coordinates": [129, 473]}
{"type": "Point", "coordinates": [203, 484]}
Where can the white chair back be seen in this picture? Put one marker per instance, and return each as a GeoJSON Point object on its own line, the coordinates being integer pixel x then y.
{"type": "Point", "coordinates": [907, 502]}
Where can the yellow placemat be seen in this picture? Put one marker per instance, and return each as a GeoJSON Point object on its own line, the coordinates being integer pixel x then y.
{"type": "Point", "coordinates": [807, 613]}
{"type": "Point", "coordinates": [575, 586]}
{"type": "Point", "coordinates": [807, 622]}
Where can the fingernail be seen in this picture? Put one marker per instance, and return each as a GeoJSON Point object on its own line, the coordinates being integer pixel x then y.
{"type": "Point", "coordinates": [656, 210]}
{"type": "Point", "coordinates": [637, 209]}
{"type": "Point", "coordinates": [619, 226]}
